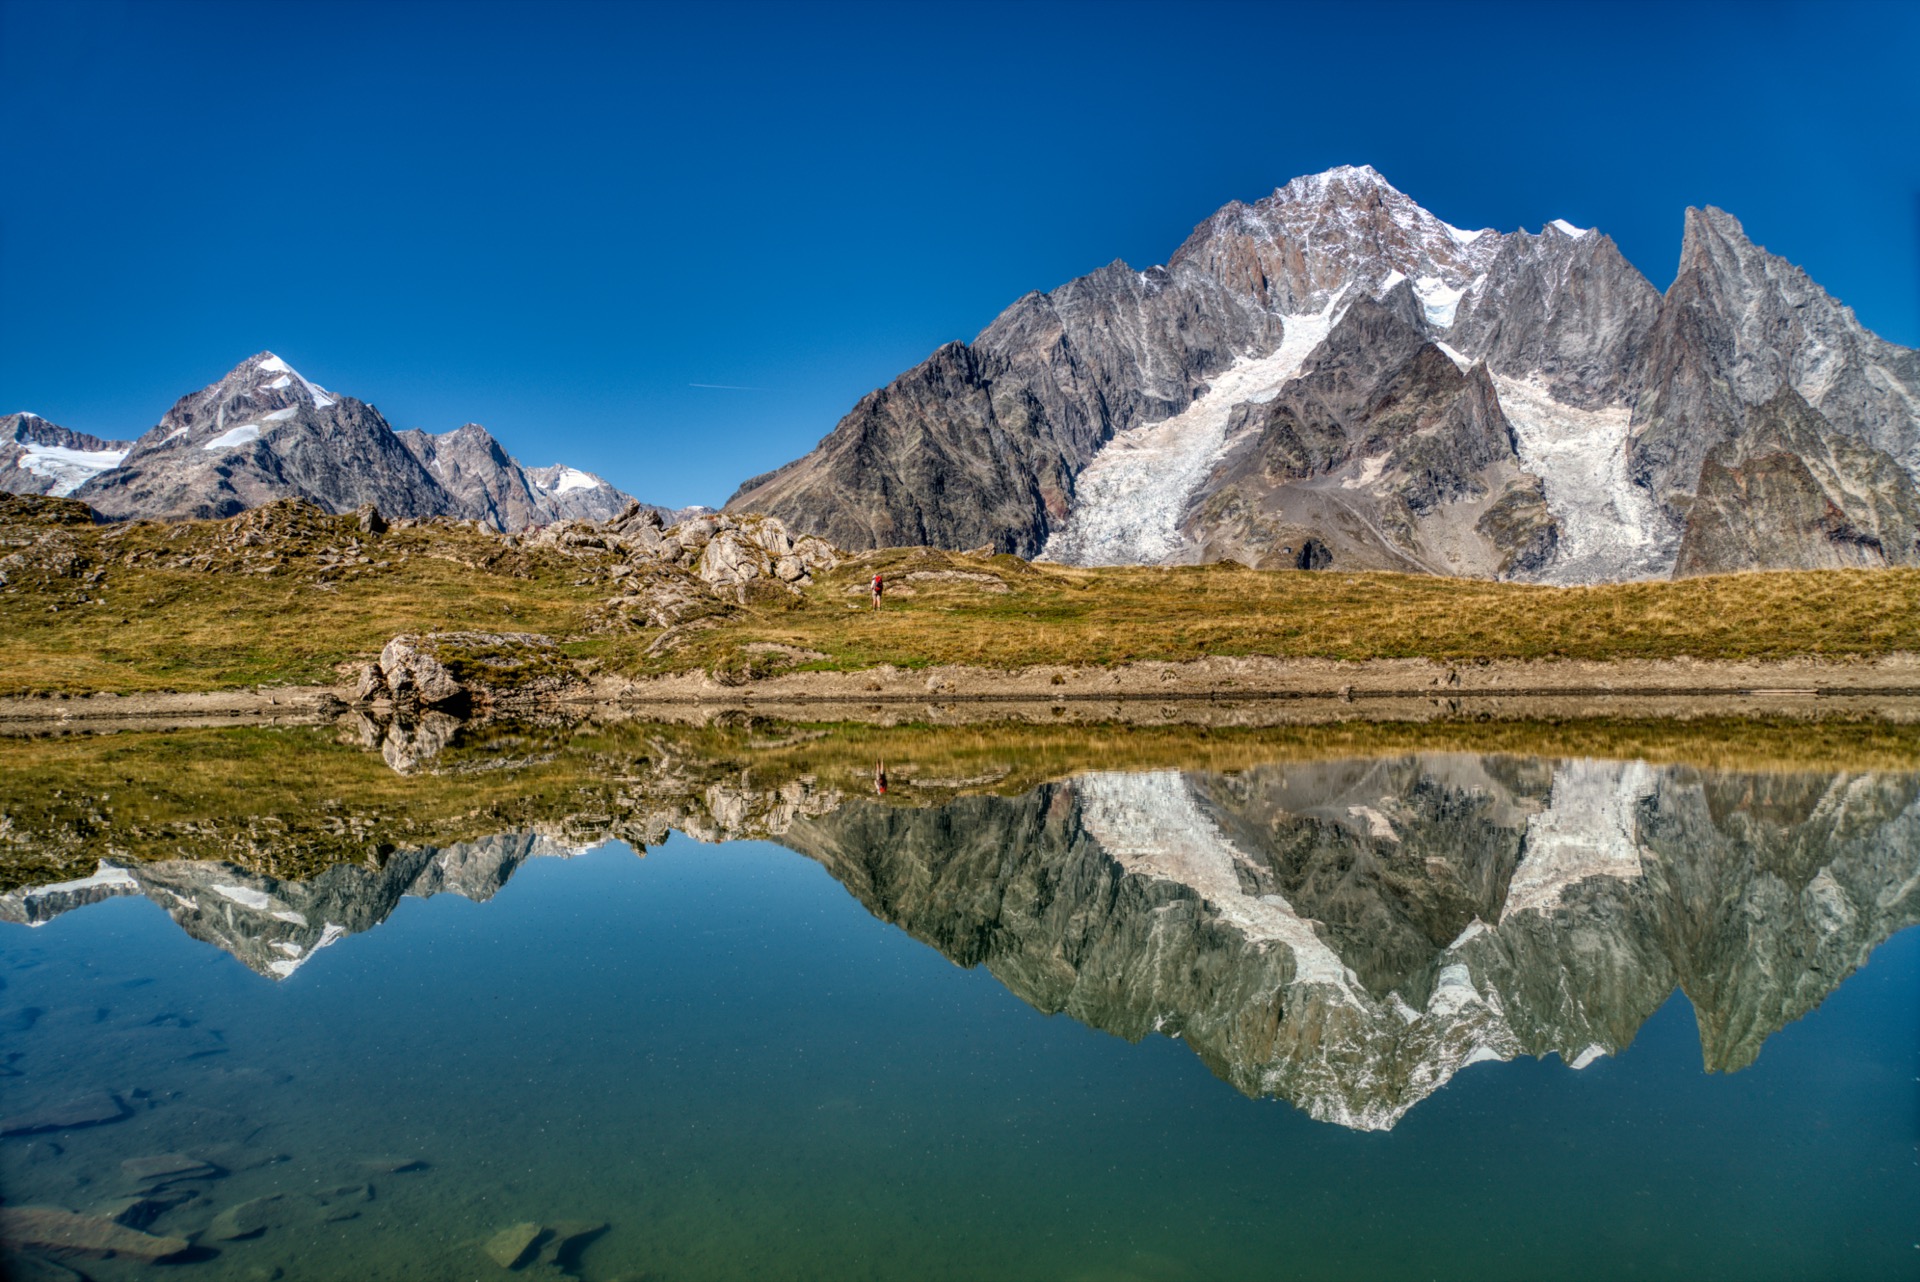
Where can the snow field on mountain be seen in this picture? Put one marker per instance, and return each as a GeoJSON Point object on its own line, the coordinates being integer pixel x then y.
{"type": "Point", "coordinates": [1610, 528]}
{"type": "Point", "coordinates": [233, 436]}
{"type": "Point", "coordinates": [68, 468]}
{"type": "Point", "coordinates": [1130, 498]}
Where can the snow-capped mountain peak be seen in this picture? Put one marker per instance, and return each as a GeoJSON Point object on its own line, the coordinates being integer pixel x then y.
{"type": "Point", "coordinates": [41, 457]}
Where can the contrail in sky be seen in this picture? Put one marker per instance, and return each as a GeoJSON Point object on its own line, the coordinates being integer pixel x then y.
{"type": "Point", "coordinates": [730, 387]}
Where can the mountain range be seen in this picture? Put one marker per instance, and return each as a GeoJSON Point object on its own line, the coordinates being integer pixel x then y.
{"type": "Point", "coordinates": [1328, 377]}
{"type": "Point", "coordinates": [264, 432]}
{"type": "Point", "coordinates": [1333, 376]}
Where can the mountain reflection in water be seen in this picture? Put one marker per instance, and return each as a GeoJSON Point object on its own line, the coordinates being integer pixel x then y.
{"type": "Point", "coordinates": [1343, 934]}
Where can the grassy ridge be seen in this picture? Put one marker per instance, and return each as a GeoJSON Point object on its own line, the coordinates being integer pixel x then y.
{"type": "Point", "coordinates": [1055, 614]}
{"type": "Point", "coordinates": [211, 605]}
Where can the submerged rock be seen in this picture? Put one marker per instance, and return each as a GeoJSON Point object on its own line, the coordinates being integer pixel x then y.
{"type": "Point", "coordinates": [166, 1168]}
{"type": "Point", "coordinates": [248, 1219]}
{"type": "Point", "coordinates": [511, 1245]}
{"type": "Point", "coordinates": [569, 1238]}
{"type": "Point", "coordinates": [87, 1110]}
{"type": "Point", "coordinates": [35, 1268]}
{"type": "Point", "coordinates": [50, 1228]}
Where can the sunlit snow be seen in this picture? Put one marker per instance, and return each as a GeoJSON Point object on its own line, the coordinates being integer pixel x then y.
{"type": "Point", "coordinates": [69, 469]}
{"type": "Point", "coordinates": [1439, 299]}
{"type": "Point", "coordinates": [234, 436]}
{"type": "Point", "coordinates": [281, 416]}
{"type": "Point", "coordinates": [572, 478]}
{"type": "Point", "coordinates": [1130, 498]}
{"type": "Point", "coordinates": [1570, 229]}
{"type": "Point", "coordinates": [1610, 528]}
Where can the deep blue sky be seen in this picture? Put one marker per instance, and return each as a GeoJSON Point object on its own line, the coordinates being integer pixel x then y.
{"type": "Point", "coordinates": [555, 219]}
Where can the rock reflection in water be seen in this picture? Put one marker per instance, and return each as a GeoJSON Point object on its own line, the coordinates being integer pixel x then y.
{"type": "Point", "coordinates": [1345, 935]}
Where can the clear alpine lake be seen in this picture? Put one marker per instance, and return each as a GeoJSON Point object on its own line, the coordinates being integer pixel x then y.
{"type": "Point", "coordinates": [1413, 1015]}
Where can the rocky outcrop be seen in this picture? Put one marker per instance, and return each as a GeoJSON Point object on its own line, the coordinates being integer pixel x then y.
{"type": "Point", "coordinates": [467, 670]}
{"type": "Point", "coordinates": [1789, 492]}
{"type": "Point", "coordinates": [669, 576]}
{"type": "Point", "coordinates": [1382, 453]}
{"type": "Point", "coordinates": [490, 486]}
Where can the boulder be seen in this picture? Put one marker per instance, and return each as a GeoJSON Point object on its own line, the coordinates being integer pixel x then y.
{"type": "Point", "coordinates": [371, 522]}
{"type": "Point", "coordinates": [731, 561]}
{"type": "Point", "coordinates": [772, 535]}
{"type": "Point", "coordinates": [414, 675]}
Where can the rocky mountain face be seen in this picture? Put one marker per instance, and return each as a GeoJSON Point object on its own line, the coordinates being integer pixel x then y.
{"type": "Point", "coordinates": [1380, 454]}
{"type": "Point", "coordinates": [265, 433]}
{"type": "Point", "coordinates": [1125, 417]}
{"type": "Point", "coordinates": [490, 486]}
{"type": "Point", "coordinates": [38, 457]}
{"type": "Point", "coordinates": [1346, 935]}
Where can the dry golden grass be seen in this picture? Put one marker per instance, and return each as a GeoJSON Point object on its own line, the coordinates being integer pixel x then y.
{"type": "Point", "coordinates": [178, 609]}
{"type": "Point", "coordinates": [151, 626]}
{"type": "Point", "coordinates": [1054, 614]}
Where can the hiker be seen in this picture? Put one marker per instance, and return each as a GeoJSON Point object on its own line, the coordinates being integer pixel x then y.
{"type": "Point", "coordinates": [880, 777]}
{"type": "Point", "coordinates": [878, 588]}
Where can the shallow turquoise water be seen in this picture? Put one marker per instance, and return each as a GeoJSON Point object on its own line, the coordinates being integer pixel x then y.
{"type": "Point", "coordinates": [722, 1054]}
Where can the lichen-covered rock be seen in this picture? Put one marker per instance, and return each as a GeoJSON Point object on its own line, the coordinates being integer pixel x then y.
{"type": "Point", "coordinates": [730, 560]}
{"type": "Point", "coordinates": [414, 675]}
{"type": "Point", "coordinates": [1520, 525]}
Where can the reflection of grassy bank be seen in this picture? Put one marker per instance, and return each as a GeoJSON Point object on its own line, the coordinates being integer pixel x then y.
{"type": "Point", "coordinates": [289, 802]}
{"type": "Point", "coordinates": [285, 595]}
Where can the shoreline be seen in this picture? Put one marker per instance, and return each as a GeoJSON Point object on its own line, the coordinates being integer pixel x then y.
{"type": "Point", "coordinates": [1290, 689]}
